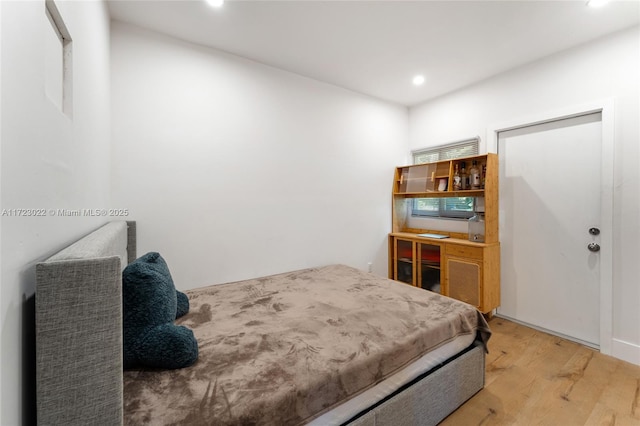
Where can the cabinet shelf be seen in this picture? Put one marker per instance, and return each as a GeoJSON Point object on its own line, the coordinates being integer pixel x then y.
{"type": "Point", "coordinates": [426, 265]}
{"type": "Point", "coordinates": [443, 194]}
{"type": "Point", "coordinates": [425, 178]}
{"type": "Point", "coordinates": [423, 181]}
{"type": "Point", "coordinates": [455, 266]}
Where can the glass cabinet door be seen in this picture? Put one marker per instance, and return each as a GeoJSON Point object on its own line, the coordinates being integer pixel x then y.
{"type": "Point", "coordinates": [417, 179]}
{"type": "Point", "coordinates": [429, 277]}
{"type": "Point", "coordinates": [404, 261]}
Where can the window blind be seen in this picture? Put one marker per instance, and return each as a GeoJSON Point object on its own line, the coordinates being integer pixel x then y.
{"type": "Point", "coordinates": [464, 148]}
{"type": "Point", "coordinates": [452, 207]}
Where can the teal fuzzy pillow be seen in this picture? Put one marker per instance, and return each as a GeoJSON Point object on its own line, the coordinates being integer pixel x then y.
{"type": "Point", "coordinates": [182, 304]}
{"type": "Point", "coordinates": [150, 306]}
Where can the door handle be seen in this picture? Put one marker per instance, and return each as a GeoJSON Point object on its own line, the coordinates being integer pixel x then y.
{"type": "Point", "coordinates": [594, 247]}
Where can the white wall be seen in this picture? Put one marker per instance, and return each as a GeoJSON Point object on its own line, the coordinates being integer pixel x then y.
{"type": "Point", "coordinates": [48, 162]}
{"type": "Point", "coordinates": [607, 68]}
{"type": "Point", "coordinates": [234, 169]}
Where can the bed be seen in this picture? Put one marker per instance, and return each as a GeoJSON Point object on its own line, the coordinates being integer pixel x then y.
{"type": "Point", "coordinates": [327, 345]}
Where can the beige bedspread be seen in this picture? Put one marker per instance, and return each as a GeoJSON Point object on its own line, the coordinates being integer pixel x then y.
{"type": "Point", "coordinates": [283, 349]}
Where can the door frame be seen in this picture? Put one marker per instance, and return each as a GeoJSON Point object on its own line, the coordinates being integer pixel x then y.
{"type": "Point", "coordinates": [606, 108]}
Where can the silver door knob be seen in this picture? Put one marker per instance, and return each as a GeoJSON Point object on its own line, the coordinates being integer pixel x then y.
{"type": "Point", "coordinates": [594, 247]}
{"type": "Point", "coordinates": [594, 231]}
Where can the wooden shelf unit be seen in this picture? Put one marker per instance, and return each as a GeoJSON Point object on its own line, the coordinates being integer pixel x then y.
{"type": "Point", "coordinates": [468, 271]}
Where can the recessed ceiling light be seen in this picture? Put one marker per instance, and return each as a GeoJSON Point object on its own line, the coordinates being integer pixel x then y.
{"type": "Point", "coordinates": [418, 80]}
{"type": "Point", "coordinates": [597, 3]}
{"type": "Point", "coordinates": [215, 3]}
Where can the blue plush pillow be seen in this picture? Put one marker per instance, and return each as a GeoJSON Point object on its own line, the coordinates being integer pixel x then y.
{"type": "Point", "coordinates": [182, 304]}
{"type": "Point", "coordinates": [150, 306]}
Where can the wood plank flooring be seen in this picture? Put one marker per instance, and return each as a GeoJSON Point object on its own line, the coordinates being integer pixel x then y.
{"type": "Point", "coordinates": [534, 378]}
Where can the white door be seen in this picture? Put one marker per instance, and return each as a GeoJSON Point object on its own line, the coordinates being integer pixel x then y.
{"type": "Point", "coordinates": [550, 196]}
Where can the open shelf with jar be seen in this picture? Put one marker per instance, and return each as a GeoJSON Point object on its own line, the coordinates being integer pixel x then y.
{"type": "Point", "coordinates": [453, 266]}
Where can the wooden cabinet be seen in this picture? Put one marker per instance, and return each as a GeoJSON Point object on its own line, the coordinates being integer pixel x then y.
{"type": "Point", "coordinates": [472, 274]}
{"type": "Point", "coordinates": [404, 258]}
{"type": "Point", "coordinates": [423, 181]}
{"type": "Point", "coordinates": [453, 266]}
{"type": "Point", "coordinates": [417, 262]}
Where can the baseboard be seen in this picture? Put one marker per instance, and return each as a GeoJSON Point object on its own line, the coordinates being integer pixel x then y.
{"type": "Point", "coordinates": [546, 330]}
{"type": "Point", "coordinates": [629, 352]}
{"type": "Point", "coordinates": [625, 351]}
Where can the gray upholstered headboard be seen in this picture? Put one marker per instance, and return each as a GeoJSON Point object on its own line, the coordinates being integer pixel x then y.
{"type": "Point", "coordinates": [79, 328]}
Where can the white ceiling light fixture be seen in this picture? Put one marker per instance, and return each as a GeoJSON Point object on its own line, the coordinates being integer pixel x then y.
{"type": "Point", "coordinates": [418, 80]}
{"type": "Point", "coordinates": [215, 3]}
{"type": "Point", "coordinates": [597, 3]}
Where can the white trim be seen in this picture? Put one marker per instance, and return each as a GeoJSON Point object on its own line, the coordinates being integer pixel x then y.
{"type": "Point", "coordinates": [626, 351]}
{"type": "Point", "coordinates": [547, 331]}
{"type": "Point", "coordinates": [606, 237]}
{"type": "Point", "coordinates": [606, 107]}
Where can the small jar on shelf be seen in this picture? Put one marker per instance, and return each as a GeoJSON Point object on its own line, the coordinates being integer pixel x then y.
{"type": "Point", "coordinates": [476, 228]}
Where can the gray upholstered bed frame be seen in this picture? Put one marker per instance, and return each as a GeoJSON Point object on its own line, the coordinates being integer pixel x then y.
{"type": "Point", "coordinates": [79, 329]}
{"type": "Point", "coordinates": [79, 344]}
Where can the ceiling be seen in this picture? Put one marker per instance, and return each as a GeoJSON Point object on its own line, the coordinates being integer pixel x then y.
{"type": "Point", "coordinates": [376, 47]}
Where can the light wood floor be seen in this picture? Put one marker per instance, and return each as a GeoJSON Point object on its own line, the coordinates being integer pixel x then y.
{"type": "Point", "coordinates": [534, 378]}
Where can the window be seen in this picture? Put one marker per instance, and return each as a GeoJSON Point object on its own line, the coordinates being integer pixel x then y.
{"type": "Point", "coordinates": [451, 207]}
{"type": "Point", "coordinates": [58, 60]}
